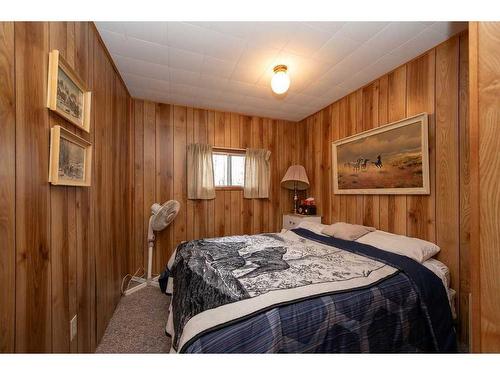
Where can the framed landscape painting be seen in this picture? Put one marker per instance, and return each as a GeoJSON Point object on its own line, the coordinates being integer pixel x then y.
{"type": "Point", "coordinates": [391, 159]}
{"type": "Point", "coordinates": [70, 158]}
{"type": "Point", "coordinates": [66, 93]}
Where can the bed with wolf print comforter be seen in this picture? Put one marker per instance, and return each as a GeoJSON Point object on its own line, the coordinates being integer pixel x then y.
{"type": "Point", "coordinates": [298, 292]}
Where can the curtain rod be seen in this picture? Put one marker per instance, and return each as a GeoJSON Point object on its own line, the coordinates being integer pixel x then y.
{"type": "Point", "coordinates": [228, 148]}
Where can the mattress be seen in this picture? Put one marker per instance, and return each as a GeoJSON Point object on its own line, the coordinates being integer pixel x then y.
{"type": "Point", "coordinates": [443, 272]}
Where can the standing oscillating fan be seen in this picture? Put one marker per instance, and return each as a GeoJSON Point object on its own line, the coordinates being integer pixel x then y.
{"type": "Point", "coordinates": [161, 217]}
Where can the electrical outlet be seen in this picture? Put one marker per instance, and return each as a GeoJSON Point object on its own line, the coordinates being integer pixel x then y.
{"type": "Point", "coordinates": [73, 326]}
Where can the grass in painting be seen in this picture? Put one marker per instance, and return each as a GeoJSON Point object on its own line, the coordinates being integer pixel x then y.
{"type": "Point", "coordinates": [402, 170]}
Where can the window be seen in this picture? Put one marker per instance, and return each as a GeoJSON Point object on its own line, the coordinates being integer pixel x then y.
{"type": "Point", "coordinates": [229, 168]}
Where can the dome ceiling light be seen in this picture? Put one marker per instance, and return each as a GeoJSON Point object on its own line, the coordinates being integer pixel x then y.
{"type": "Point", "coordinates": [280, 81]}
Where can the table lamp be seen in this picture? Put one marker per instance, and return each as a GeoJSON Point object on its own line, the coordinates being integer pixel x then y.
{"type": "Point", "coordinates": [295, 179]}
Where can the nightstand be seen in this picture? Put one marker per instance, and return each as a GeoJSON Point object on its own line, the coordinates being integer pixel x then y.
{"type": "Point", "coordinates": [291, 221]}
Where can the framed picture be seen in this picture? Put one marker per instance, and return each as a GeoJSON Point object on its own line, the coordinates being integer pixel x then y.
{"type": "Point", "coordinates": [66, 93]}
{"type": "Point", "coordinates": [391, 159]}
{"type": "Point", "coordinates": [70, 158]}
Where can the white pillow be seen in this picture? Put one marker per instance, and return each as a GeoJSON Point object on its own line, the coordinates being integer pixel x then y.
{"type": "Point", "coordinates": [414, 248]}
{"type": "Point", "coordinates": [345, 231]}
{"type": "Point", "coordinates": [312, 226]}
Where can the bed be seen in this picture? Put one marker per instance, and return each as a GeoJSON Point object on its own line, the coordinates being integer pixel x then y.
{"type": "Point", "coordinates": [299, 291]}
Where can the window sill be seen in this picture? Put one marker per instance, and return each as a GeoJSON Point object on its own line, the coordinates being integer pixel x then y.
{"type": "Point", "coordinates": [229, 188]}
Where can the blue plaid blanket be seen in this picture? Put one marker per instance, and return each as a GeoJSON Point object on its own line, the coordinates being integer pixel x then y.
{"type": "Point", "coordinates": [405, 311]}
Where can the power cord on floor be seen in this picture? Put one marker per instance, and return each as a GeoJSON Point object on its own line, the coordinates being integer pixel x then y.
{"type": "Point", "coordinates": [130, 277]}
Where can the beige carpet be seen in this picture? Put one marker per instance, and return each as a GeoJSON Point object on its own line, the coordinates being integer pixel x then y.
{"type": "Point", "coordinates": [138, 324]}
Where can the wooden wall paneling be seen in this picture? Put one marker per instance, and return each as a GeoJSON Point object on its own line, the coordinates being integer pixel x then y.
{"type": "Point", "coordinates": [219, 139]}
{"type": "Point", "coordinates": [180, 191]}
{"type": "Point", "coordinates": [62, 223]}
{"type": "Point", "coordinates": [210, 215]}
{"type": "Point", "coordinates": [335, 135]}
{"type": "Point", "coordinates": [396, 103]}
{"type": "Point", "coordinates": [190, 204]}
{"type": "Point", "coordinates": [326, 170]}
{"type": "Point", "coordinates": [227, 193]}
{"type": "Point", "coordinates": [342, 134]}
{"type": "Point", "coordinates": [164, 180]}
{"type": "Point", "coordinates": [7, 188]}
{"type": "Point", "coordinates": [358, 127]}
{"type": "Point", "coordinates": [464, 175]}
{"type": "Point", "coordinates": [201, 206]}
{"type": "Point", "coordinates": [99, 96]}
{"type": "Point", "coordinates": [370, 113]}
{"type": "Point", "coordinates": [139, 211]}
{"type": "Point", "coordinates": [33, 271]}
{"type": "Point", "coordinates": [288, 157]}
{"type": "Point", "coordinates": [420, 98]}
{"type": "Point", "coordinates": [316, 154]}
{"type": "Point", "coordinates": [55, 270]}
{"type": "Point", "coordinates": [245, 142]}
{"type": "Point", "coordinates": [267, 215]}
{"type": "Point", "coordinates": [485, 117]}
{"type": "Point", "coordinates": [149, 160]}
{"type": "Point", "coordinates": [351, 124]}
{"type": "Point", "coordinates": [257, 135]}
{"type": "Point", "coordinates": [85, 287]}
{"type": "Point", "coordinates": [475, 241]}
{"type": "Point", "coordinates": [383, 213]}
{"type": "Point", "coordinates": [274, 209]}
{"type": "Point", "coordinates": [235, 196]}
{"type": "Point", "coordinates": [447, 157]}
{"type": "Point", "coordinates": [106, 197]}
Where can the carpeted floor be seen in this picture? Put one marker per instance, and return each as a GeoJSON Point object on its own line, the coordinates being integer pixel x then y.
{"type": "Point", "coordinates": [138, 324]}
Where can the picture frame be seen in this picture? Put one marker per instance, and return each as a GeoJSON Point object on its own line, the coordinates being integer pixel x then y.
{"type": "Point", "coordinates": [390, 159]}
{"type": "Point", "coordinates": [66, 92]}
{"type": "Point", "coordinates": [70, 161]}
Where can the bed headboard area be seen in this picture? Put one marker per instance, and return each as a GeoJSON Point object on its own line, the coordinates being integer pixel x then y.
{"type": "Point", "coordinates": [436, 83]}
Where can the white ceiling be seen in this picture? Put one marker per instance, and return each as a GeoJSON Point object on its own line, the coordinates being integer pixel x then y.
{"type": "Point", "coordinates": [228, 65]}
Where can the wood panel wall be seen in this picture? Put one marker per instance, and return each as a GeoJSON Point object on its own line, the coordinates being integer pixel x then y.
{"type": "Point", "coordinates": [437, 83]}
{"type": "Point", "coordinates": [485, 179]}
{"type": "Point", "coordinates": [162, 132]}
{"type": "Point", "coordinates": [64, 249]}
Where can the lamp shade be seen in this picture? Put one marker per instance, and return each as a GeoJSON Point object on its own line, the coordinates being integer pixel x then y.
{"type": "Point", "coordinates": [295, 178]}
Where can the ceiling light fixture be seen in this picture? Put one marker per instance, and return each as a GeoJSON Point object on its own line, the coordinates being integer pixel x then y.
{"type": "Point", "coordinates": [280, 81]}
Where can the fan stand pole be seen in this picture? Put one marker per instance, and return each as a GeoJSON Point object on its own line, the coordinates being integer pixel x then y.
{"type": "Point", "coordinates": [153, 281]}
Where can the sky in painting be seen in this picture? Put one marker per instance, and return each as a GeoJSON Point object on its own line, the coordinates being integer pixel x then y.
{"type": "Point", "coordinates": [400, 140]}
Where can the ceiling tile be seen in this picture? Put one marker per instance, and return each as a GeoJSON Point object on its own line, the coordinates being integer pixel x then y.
{"type": "Point", "coordinates": [223, 46]}
{"type": "Point", "coordinates": [186, 36]}
{"type": "Point", "coordinates": [187, 60]}
{"type": "Point", "coordinates": [217, 67]}
{"type": "Point", "coordinates": [361, 31]}
{"type": "Point", "coordinates": [394, 35]}
{"type": "Point", "coordinates": [155, 32]}
{"type": "Point", "coordinates": [417, 45]}
{"type": "Point", "coordinates": [229, 65]}
{"type": "Point", "coordinates": [184, 77]}
{"type": "Point", "coordinates": [272, 34]}
{"type": "Point", "coordinates": [259, 57]}
{"type": "Point", "coordinates": [336, 49]}
{"type": "Point", "coordinates": [306, 40]}
{"type": "Point", "coordinates": [330, 27]}
{"type": "Point", "coordinates": [237, 29]}
{"type": "Point", "coordinates": [142, 68]}
{"type": "Point", "coordinates": [246, 73]}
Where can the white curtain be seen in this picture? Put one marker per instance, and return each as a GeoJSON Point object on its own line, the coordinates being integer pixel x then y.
{"type": "Point", "coordinates": [257, 173]}
{"type": "Point", "coordinates": [200, 172]}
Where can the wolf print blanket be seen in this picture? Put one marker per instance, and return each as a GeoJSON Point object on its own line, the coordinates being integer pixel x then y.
{"type": "Point", "coordinates": [223, 280]}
